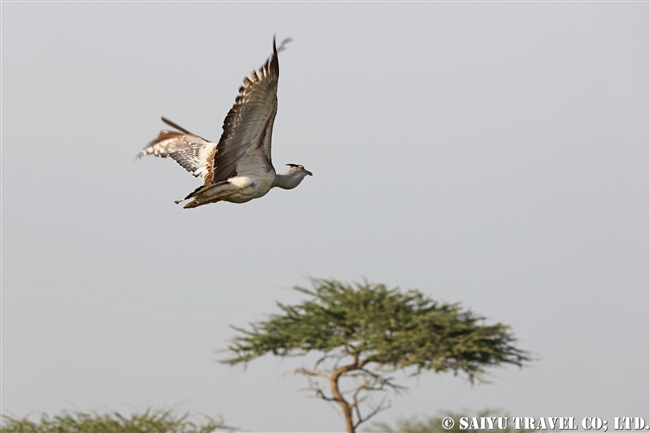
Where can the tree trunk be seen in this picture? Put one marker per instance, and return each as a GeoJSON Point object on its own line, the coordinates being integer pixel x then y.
{"type": "Point", "coordinates": [349, 425]}
{"type": "Point", "coordinates": [336, 393]}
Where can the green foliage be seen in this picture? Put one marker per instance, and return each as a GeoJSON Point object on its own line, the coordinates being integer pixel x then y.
{"type": "Point", "coordinates": [434, 424]}
{"type": "Point", "coordinates": [365, 330]}
{"type": "Point", "coordinates": [151, 421]}
{"type": "Point", "coordinates": [390, 329]}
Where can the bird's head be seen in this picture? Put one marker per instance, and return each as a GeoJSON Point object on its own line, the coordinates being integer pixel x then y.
{"type": "Point", "coordinates": [292, 177]}
{"type": "Point", "coordinates": [295, 168]}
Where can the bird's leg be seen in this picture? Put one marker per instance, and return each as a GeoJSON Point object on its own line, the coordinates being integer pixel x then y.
{"type": "Point", "coordinates": [211, 189]}
{"type": "Point", "coordinates": [218, 191]}
{"type": "Point", "coordinates": [199, 201]}
{"type": "Point", "coordinates": [211, 194]}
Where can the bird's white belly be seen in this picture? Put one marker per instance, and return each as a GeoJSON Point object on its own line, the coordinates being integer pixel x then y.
{"type": "Point", "coordinates": [250, 188]}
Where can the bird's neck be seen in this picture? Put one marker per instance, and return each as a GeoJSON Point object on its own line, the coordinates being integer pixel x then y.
{"type": "Point", "coordinates": [288, 181]}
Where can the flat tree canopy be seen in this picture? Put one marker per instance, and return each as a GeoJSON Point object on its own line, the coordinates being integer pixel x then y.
{"type": "Point", "coordinates": [365, 330]}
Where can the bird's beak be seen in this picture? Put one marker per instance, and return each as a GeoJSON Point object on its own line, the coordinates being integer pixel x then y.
{"type": "Point", "coordinates": [308, 173]}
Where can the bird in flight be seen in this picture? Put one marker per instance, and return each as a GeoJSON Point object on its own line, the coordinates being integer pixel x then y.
{"type": "Point", "coordinates": [238, 168]}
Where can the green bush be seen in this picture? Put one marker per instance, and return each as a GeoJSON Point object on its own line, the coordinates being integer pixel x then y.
{"type": "Point", "coordinates": [150, 421]}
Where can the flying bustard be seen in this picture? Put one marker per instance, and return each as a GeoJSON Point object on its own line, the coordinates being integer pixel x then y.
{"type": "Point", "coordinates": [238, 168]}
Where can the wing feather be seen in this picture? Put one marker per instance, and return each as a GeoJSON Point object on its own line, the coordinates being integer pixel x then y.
{"type": "Point", "coordinates": [190, 151]}
{"type": "Point", "coordinates": [249, 122]}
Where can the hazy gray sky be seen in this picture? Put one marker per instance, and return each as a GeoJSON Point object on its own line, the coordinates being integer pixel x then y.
{"type": "Point", "coordinates": [493, 154]}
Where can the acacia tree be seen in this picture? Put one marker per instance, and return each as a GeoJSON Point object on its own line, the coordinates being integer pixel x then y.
{"type": "Point", "coordinates": [365, 331]}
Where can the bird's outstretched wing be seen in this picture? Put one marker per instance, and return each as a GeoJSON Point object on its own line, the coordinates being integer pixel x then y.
{"type": "Point", "coordinates": [190, 151]}
{"type": "Point", "coordinates": [248, 126]}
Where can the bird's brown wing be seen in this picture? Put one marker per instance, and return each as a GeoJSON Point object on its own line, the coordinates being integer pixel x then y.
{"type": "Point", "coordinates": [190, 151]}
{"type": "Point", "coordinates": [248, 126]}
